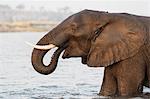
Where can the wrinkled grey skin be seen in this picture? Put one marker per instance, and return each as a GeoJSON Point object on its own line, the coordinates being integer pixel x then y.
{"type": "Point", "coordinates": [119, 42]}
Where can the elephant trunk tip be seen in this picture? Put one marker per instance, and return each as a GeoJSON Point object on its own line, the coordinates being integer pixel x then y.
{"type": "Point", "coordinates": [45, 70]}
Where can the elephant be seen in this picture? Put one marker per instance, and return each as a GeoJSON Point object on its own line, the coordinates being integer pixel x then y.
{"type": "Point", "coordinates": [119, 42]}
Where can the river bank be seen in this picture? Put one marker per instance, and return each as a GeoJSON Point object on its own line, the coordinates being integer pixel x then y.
{"type": "Point", "coordinates": [27, 26]}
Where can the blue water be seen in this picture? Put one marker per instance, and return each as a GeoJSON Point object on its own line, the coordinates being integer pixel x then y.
{"type": "Point", "coordinates": [18, 79]}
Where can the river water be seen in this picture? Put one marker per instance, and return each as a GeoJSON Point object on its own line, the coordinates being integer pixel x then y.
{"type": "Point", "coordinates": [18, 79]}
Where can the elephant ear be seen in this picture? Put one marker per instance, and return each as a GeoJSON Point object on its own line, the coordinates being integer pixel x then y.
{"type": "Point", "coordinates": [115, 43]}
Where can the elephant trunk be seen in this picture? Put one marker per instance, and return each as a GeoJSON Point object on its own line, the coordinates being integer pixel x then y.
{"type": "Point", "coordinates": [38, 54]}
{"type": "Point", "coordinates": [37, 61]}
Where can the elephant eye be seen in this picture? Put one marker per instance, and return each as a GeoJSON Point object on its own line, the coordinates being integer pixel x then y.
{"type": "Point", "coordinates": [97, 33]}
{"type": "Point", "coordinates": [99, 30]}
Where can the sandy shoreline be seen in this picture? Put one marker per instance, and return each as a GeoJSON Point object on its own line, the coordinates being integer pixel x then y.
{"type": "Point", "coordinates": [27, 26]}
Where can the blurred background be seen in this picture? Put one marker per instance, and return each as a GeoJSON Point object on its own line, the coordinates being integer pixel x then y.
{"type": "Point", "coordinates": [30, 20]}
{"type": "Point", "coordinates": [42, 15]}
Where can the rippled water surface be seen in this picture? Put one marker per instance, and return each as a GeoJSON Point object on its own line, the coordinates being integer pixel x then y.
{"type": "Point", "coordinates": [18, 80]}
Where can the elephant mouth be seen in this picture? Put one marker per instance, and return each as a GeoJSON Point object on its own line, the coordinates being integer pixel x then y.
{"type": "Point", "coordinates": [68, 54]}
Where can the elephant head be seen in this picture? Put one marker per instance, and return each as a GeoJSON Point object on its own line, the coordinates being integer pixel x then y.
{"type": "Point", "coordinates": [99, 38]}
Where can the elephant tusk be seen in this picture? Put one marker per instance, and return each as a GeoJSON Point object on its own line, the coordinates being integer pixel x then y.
{"type": "Point", "coordinates": [42, 47]}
